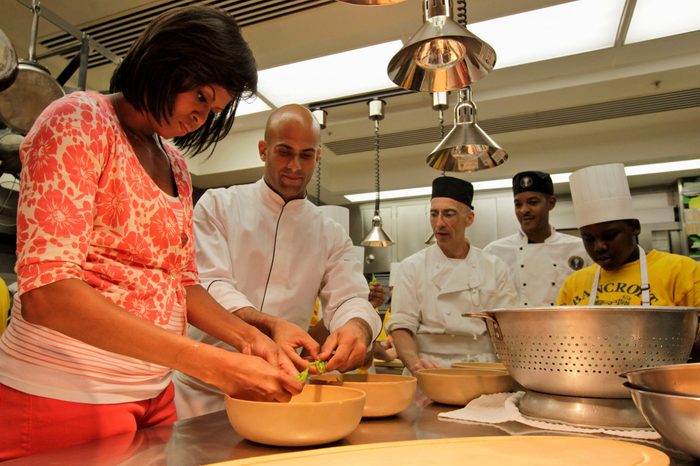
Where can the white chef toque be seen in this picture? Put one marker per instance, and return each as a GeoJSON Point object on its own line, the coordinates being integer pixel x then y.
{"type": "Point", "coordinates": [601, 194]}
{"type": "Point", "coordinates": [393, 272]}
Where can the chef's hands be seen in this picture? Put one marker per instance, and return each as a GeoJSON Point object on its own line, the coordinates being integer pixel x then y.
{"type": "Point", "coordinates": [351, 343]}
{"type": "Point", "coordinates": [424, 363]}
{"type": "Point", "coordinates": [376, 295]}
{"type": "Point", "coordinates": [289, 337]}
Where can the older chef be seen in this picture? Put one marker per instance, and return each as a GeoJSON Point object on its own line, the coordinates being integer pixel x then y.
{"type": "Point", "coordinates": [624, 274]}
{"type": "Point", "coordinates": [265, 252]}
{"type": "Point", "coordinates": [539, 257]}
{"type": "Point", "coordinates": [438, 284]}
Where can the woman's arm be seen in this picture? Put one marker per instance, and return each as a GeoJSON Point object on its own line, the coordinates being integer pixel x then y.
{"type": "Point", "coordinates": [89, 317]}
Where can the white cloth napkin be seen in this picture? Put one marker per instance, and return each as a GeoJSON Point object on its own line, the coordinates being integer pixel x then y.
{"type": "Point", "coordinates": [503, 407]}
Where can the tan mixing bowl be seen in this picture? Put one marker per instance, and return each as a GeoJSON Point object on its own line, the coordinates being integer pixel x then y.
{"type": "Point", "coordinates": [456, 386]}
{"type": "Point", "coordinates": [387, 394]}
{"type": "Point", "coordinates": [319, 414]}
{"type": "Point", "coordinates": [480, 365]}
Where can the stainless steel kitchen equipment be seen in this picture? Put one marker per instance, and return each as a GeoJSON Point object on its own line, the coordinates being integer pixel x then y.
{"type": "Point", "coordinates": [579, 351]}
{"type": "Point", "coordinates": [674, 417]}
{"type": "Point", "coordinates": [8, 62]}
{"type": "Point", "coordinates": [9, 152]}
{"type": "Point", "coordinates": [675, 379]}
{"type": "Point", "coordinates": [32, 90]}
{"type": "Point", "coordinates": [618, 413]}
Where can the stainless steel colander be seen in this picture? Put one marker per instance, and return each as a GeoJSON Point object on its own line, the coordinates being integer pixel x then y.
{"type": "Point", "coordinates": [579, 351]}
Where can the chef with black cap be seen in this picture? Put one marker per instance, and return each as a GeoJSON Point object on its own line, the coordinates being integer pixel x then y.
{"type": "Point", "coordinates": [539, 257]}
{"type": "Point", "coordinates": [438, 284]}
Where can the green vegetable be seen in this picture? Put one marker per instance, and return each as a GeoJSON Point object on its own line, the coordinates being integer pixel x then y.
{"type": "Point", "coordinates": [319, 365]}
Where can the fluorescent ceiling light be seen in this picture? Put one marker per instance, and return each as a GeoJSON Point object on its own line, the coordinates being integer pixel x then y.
{"type": "Point", "coordinates": [557, 178]}
{"type": "Point", "coordinates": [556, 31]}
{"type": "Point", "coordinates": [393, 194]}
{"type": "Point", "coordinates": [660, 18]}
{"type": "Point", "coordinates": [251, 105]}
{"type": "Point", "coordinates": [341, 74]}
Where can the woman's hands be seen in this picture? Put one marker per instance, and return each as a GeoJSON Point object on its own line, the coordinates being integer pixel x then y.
{"type": "Point", "coordinates": [289, 337]}
{"type": "Point", "coordinates": [244, 376]}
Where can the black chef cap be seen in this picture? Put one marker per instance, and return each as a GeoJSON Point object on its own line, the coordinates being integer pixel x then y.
{"type": "Point", "coordinates": [539, 182]}
{"type": "Point", "coordinates": [454, 188]}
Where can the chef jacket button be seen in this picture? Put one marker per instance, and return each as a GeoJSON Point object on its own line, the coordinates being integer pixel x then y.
{"type": "Point", "coordinates": [551, 304]}
{"type": "Point", "coordinates": [524, 284]}
{"type": "Point", "coordinates": [521, 248]}
{"type": "Point", "coordinates": [525, 304]}
{"type": "Point", "coordinates": [522, 266]}
{"type": "Point", "coordinates": [554, 265]}
{"type": "Point", "coordinates": [554, 284]}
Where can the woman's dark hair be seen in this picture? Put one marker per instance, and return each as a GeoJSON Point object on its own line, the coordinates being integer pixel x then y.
{"type": "Point", "coordinates": [181, 50]}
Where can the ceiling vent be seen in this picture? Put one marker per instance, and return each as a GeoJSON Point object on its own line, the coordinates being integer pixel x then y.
{"type": "Point", "coordinates": [119, 32]}
{"type": "Point", "coordinates": [676, 100]}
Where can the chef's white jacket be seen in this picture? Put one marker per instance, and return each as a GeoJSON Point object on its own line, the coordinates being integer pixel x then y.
{"type": "Point", "coordinates": [432, 292]}
{"type": "Point", "coordinates": [253, 249]}
{"type": "Point", "coordinates": [540, 269]}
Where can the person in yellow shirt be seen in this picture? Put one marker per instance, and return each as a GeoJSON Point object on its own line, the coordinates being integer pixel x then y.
{"type": "Point", "coordinates": [4, 305]}
{"type": "Point", "coordinates": [623, 274]}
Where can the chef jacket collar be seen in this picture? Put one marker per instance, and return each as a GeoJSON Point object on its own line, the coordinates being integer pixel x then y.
{"type": "Point", "coordinates": [523, 237]}
{"type": "Point", "coordinates": [447, 282]}
{"type": "Point", "coordinates": [272, 198]}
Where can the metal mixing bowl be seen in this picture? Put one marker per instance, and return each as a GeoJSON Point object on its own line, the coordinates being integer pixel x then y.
{"type": "Point", "coordinates": [675, 417]}
{"type": "Point", "coordinates": [579, 350]}
{"type": "Point", "coordinates": [676, 379]}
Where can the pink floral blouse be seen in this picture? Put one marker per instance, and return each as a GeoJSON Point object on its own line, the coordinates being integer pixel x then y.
{"type": "Point", "coordinates": [88, 210]}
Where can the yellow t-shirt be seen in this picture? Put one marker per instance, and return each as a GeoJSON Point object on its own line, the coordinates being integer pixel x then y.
{"type": "Point", "coordinates": [674, 280]}
{"type": "Point", "coordinates": [4, 305]}
{"type": "Point", "coordinates": [382, 335]}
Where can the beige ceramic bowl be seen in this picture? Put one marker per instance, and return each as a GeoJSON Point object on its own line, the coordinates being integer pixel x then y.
{"type": "Point", "coordinates": [480, 365]}
{"type": "Point", "coordinates": [319, 414]}
{"type": "Point", "coordinates": [387, 394]}
{"type": "Point", "coordinates": [457, 386]}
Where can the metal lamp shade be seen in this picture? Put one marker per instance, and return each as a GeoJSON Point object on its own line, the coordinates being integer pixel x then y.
{"type": "Point", "coordinates": [377, 237]}
{"type": "Point", "coordinates": [466, 148]}
{"type": "Point", "coordinates": [441, 56]}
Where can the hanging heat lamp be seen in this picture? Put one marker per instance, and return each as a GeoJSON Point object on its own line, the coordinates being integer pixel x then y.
{"type": "Point", "coordinates": [442, 56]}
{"type": "Point", "coordinates": [376, 236]}
{"type": "Point", "coordinates": [320, 116]}
{"type": "Point", "coordinates": [440, 105]}
{"type": "Point", "coordinates": [466, 148]}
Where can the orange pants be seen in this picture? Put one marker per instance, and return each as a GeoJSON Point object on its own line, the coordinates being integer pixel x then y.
{"type": "Point", "coordinates": [32, 424]}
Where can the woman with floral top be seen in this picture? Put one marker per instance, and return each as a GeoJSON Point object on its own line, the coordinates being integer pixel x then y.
{"type": "Point", "coordinates": [106, 271]}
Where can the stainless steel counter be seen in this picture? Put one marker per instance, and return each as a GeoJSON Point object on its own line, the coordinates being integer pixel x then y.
{"type": "Point", "coordinates": [210, 438]}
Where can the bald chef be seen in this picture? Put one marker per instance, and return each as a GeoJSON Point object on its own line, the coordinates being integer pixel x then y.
{"type": "Point", "coordinates": [438, 284]}
{"type": "Point", "coordinates": [539, 257]}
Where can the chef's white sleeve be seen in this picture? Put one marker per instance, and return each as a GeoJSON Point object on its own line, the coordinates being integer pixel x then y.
{"type": "Point", "coordinates": [214, 257]}
{"type": "Point", "coordinates": [344, 290]}
{"type": "Point", "coordinates": [405, 307]}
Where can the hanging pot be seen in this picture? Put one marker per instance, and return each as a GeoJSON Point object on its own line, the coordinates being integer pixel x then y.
{"type": "Point", "coordinates": [9, 152]}
{"type": "Point", "coordinates": [8, 62]}
{"type": "Point", "coordinates": [31, 92]}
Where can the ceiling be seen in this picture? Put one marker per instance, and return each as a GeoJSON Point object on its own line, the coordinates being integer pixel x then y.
{"type": "Point", "coordinates": [636, 104]}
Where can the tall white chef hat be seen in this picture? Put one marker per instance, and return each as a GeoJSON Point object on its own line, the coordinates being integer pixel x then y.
{"type": "Point", "coordinates": [601, 194]}
{"type": "Point", "coordinates": [393, 271]}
